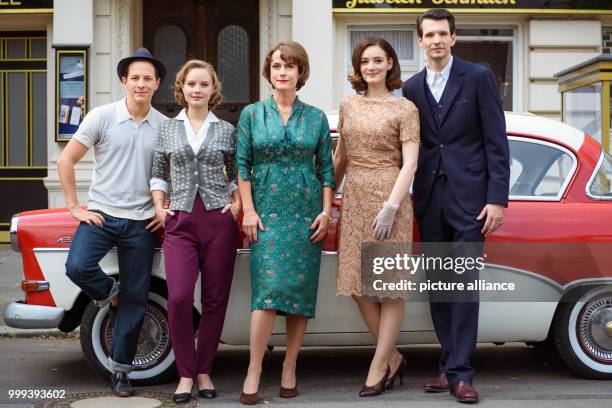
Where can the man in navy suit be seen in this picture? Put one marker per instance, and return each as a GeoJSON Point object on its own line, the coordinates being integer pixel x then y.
{"type": "Point", "coordinates": [461, 185]}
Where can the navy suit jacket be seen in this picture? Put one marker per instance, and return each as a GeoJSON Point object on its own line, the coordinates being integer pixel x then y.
{"type": "Point", "coordinates": [470, 146]}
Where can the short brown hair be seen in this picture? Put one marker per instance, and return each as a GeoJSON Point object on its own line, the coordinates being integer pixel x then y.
{"type": "Point", "coordinates": [394, 75]}
{"type": "Point", "coordinates": [293, 52]}
{"type": "Point", "coordinates": [181, 75]}
{"type": "Point", "coordinates": [436, 14]}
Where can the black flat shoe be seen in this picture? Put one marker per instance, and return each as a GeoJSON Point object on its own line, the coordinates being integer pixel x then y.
{"type": "Point", "coordinates": [182, 398]}
{"type": "Point", "coordinates": [120, 385]}
{"type": "Point", "coordinates": [210, 394]}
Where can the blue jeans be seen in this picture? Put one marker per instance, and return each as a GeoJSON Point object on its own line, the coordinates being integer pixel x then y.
{"type": "Point", "coordinates": [135, 245]}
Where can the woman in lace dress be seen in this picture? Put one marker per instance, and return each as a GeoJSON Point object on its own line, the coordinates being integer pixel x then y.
{"type": "Point", "coordinates": [378, 152]}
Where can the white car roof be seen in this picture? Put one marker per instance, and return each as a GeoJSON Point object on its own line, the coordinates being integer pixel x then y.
{"type": "Point", "coordinates": [530, 124]}
{"type": "Point", "coordinates": [525, 124]}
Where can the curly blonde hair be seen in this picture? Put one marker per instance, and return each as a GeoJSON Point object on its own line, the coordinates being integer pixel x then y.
{"type": "Point", "coordinates": [181, 75]}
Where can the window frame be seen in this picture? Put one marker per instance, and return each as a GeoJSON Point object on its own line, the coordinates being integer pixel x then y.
{"type": "Point", "coordinates": [589, 183]}
{"type": "Point", "coordinates": [407, 67]}
{"type": "Point", "coordinates": [566, 182]}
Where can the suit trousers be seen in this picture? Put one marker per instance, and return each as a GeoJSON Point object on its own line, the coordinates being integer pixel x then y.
{"type": "Point", "coordinates": [198, 243]}
{"type": "Point", "coordinates": [455, 316]}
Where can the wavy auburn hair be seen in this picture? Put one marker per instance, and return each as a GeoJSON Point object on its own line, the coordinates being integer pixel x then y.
{"type": "Point", "coordinates": [394, 75]}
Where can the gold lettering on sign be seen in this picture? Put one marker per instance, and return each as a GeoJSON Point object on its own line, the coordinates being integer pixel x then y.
{"type": "Point", "coordinates": [353, 3]}
{"type": "Point", "coordinates": [10, 2]}
{"type": "Point", "coordinates": [478, 2]}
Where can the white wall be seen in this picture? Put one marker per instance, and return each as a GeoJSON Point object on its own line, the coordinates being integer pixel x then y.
{"type": "Point", "coordinates": [555, 45]}
{"type": "Point", "coordinates": [314, 30]}
{"type": "Point", "coordinates": [73, 22]}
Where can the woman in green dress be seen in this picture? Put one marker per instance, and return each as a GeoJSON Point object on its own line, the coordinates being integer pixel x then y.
{"type": "Point", "coordinates": [286, 181]}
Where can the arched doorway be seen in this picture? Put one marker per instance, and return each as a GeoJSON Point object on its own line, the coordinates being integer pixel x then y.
{"type": "Point", "coordinates": [224, 33]}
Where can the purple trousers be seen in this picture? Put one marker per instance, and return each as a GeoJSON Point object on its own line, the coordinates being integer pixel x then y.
{"type": "Point", "coordinates": [198, 242]}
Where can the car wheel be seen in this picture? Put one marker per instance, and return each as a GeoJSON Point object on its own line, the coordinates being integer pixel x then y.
{"type": "Point", "coordinates": [154, 361]}
{"type": "Point", "coordinates": [583, 333]}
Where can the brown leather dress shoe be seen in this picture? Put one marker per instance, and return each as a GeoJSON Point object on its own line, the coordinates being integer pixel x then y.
{"type": "Point", "coordinates": [288, 392]}
{"type": "Point", "coordinates": [438, 384]}
{"type": "Point", "coordinates": [464, 392]}
{"type": "Point", "coordinates": [249, 399]}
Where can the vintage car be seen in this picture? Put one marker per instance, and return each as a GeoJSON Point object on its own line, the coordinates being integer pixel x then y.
{"type": "Point", "coordinates": [555, 241]}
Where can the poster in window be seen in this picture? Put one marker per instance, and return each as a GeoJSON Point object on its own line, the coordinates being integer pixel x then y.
{"type": "Point", "coordinates": [71, 91]}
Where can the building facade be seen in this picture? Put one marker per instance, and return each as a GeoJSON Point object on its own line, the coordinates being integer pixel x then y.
{"type": "Point", "coordinates": [523, 42]}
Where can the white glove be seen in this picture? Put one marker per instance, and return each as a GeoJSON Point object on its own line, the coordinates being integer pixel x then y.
{"type": "Point", "coordinates": [384, 221]}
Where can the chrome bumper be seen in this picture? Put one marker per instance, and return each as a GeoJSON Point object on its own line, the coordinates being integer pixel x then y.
{"type": "Point", "coordinates": [24, 316]}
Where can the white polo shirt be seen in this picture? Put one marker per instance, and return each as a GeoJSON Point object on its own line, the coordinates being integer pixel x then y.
{"type": "Point", "coordinates": [123, 156]}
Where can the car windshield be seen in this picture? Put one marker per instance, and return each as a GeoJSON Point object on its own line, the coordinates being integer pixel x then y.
{"type": "Point", "coordinates": [602, 184]}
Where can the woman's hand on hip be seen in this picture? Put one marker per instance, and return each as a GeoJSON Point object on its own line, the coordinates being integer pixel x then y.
{"type": "Point", "coordinates": [250, 223]}
{"type": "Point", "coordinates": [320, 226]}
{"type": "Point", "coordinates": [235, 208]}
{"type": "Point", "coordinates": [160, 219]}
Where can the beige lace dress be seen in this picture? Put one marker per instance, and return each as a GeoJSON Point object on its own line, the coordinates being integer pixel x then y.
{"type": "Point", "coordinates": [372, 132]}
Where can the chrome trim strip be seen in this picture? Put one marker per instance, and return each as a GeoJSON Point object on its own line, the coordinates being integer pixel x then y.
{"type": "Point", "coordinates": [589, 183]}
{"type": "Point", "coordinates": [567, 180]}
{"type": "Point", "coordinates": [585, 282]}
{"type": "Point", "coordinates": [534, 275]}
{"type": "Point", "coordinates": [239, 251]}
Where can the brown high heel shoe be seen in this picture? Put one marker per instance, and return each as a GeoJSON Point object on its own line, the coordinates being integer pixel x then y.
{"type": "Point", "coordinates": [390, 383]}
{"type": "Point", "coordinates": [249, 399]}
{"type": "Point", "coordinates": [376, 389]}
{"type": "Point", "coordinates": [288, 392]}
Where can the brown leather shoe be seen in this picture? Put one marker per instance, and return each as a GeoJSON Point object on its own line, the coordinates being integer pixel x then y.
{"type": "Point", "coordinates": [249, 399]}
{"type": "Point", "coordinates": [288, 392]}
{"type": "Point", "coordinates": [376, 389]}
{"type": "Point", "coordinates": [438, 384]}
{"type": "Point", "coordinates": [464, 392]}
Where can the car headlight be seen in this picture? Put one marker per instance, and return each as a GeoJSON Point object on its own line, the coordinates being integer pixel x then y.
{"type": "Point", "coordinates": [13, 232]}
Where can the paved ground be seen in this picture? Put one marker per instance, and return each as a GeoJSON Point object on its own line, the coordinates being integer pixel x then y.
{"type": "Point", "coordinates": [508, 376]}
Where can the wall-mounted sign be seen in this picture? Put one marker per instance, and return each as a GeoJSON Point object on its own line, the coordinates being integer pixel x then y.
{"type": "Point", "coordinates": [470, 6]}
{"type": "Point", "coordinates": [70, 91]}
{"type": "Point", "coordinates": [26, 6]}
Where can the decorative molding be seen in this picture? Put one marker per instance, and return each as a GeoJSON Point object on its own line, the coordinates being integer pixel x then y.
{"type": "Point", "coordinates": [121, 42]}
{"type": "Point", "coordinates": [268, 32]}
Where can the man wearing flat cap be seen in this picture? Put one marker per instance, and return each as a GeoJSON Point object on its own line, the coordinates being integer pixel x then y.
{"type": "Point", "coordinates": [119, 210]}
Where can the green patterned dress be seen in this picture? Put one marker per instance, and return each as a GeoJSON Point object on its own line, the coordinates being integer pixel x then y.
{"type": "Point", "coordinates": [288, 167]}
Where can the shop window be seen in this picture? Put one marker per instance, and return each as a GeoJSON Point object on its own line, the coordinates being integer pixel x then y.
{"type": "Point", "coordinates": [401, 38]}
{"type": "Point", "coordinates": [233, 63]}
{"type": "Point", "coordinates": [582, 109]}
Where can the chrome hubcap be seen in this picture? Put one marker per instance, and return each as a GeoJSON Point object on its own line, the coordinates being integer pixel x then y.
{"type": "Point", "coordinates": [595, 328]}
{"type": "Point", "coordinates": [153, 340]}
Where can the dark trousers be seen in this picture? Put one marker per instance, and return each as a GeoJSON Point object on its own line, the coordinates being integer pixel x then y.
{"type": "Point", "coordinates": [198, 242]}
{"type": "Point", "coordinates": [455, 317]}
{"type": "Point", "coordinates": [135, 246]}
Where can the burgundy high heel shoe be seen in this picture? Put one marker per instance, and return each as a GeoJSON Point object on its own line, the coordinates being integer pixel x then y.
{"type": "Point", "coordinates": [390, 383]}
{"type": "Point", "coordinates": [376, 389]}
